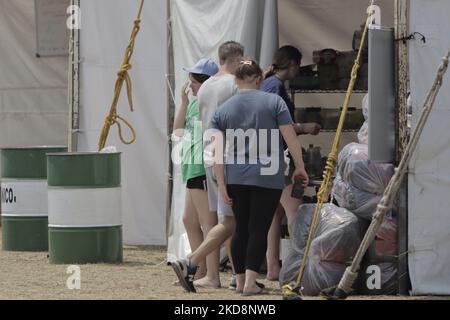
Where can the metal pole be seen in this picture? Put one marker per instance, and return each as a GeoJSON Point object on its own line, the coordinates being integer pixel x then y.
{"type": "Point", "coordinates": [170, 120]}
{"type": "Point", "coordinates": [402, 84]}
{"type": "Point", "coordinates": [73, 85]}
{"type": "Point", "coordinates": [70, 87]}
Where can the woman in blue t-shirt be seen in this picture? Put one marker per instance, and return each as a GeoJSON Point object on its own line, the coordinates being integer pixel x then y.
{"type": "Point", "coordinates": [285, 67]}
{"type": "Point", "coordinates": [251, 121]}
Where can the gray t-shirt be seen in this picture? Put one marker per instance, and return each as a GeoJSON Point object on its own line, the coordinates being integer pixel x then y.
{"type": "Point", "coordinates": [250, 121]}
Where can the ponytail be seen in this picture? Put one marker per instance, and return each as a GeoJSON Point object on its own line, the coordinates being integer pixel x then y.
{"type": "Point", "coordinates": [270, 71]}
{"type": "Point", "coordinates": [248, 69]}
{"type": "Point", "coordinates": [282, 59]}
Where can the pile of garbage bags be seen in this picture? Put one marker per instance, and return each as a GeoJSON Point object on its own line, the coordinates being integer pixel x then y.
{"type": "Point", "coordinates": [358, 187]}
{"type": "Point", "coordinates": [359, 183]}
{"type": "Point", "coordinates": [337, 238]}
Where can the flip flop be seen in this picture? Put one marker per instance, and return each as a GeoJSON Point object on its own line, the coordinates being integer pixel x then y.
{"type": "Point", "coordinates": [259, 284]}
{"type": "Point", "coordinates": [183, 277]}
{"type": "Point", "coordinates": [261, 291]}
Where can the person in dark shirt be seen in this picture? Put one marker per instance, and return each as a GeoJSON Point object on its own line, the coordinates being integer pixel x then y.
{"type": "Point", "coordinates": [285, 67]}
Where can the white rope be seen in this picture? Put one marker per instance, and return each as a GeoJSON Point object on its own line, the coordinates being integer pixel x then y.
{"type": "Point", "coordinates": [394, 185]}
{"type": "Point", "coordinates": [348, 279]}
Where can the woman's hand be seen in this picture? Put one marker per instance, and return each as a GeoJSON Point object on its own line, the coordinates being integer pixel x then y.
{"type": "Point", "coordinates": [180, 119]}
{"type": "Point", "coordinates": [185, 94]}
{"type": "Point", "coordinates": [224, 193]}
{"type": "Point", "coordinates": [301, 173]}
{"type": "Point", "coordinates": [311, 128]}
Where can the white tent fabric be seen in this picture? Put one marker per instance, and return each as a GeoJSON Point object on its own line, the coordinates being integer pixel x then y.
{"type": "Point", "coordinates": [33, 91]}
{"type": "Point", "coordinates": [198, 28]}
{"type": "Point", "coordinates": [106, 28]}
{"type": "Point", "coordinates": [429, 178]}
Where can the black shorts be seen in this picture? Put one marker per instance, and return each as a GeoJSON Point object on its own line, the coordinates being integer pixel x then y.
{"type": "Point", "coordinates": [197, 183]}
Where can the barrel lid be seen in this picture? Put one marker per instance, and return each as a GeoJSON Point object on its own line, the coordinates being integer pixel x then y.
{"type": "Point", "coordinates": [34, 148]}
{"type": "Point", "coordinates": [65, 154]}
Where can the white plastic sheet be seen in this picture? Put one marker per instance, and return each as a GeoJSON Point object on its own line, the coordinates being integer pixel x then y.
{"type": "Point", "coordinates": [33, 91]}
{"type": "Point", "coordinates": [429, 177]}
{"type": "Point", "coordinates": [105, 33]}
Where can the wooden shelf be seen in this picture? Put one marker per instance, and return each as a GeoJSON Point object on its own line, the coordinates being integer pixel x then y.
{"type": "Point", "coordinates": [327, 99]}
{"type": "Point", "coordinates": [345, 130]}
{"type": "Point", "coordinates": [326, 91]}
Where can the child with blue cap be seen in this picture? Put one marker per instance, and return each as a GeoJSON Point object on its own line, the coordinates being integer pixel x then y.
{"type": "Point", "coordinates": [204, 67]}
{"type": "Point", "coordinates": [188, 125]}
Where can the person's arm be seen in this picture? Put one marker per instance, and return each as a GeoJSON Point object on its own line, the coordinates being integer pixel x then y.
{"type": "Point", "coordinates": [180, 119]}
{"type": "Point", "coordinates": [218, 141]}
{"type": "Point", "coordinates": [286, 127]}
{"type": "Point", "coordinates": [219, 172]}
{"type": "Point", "coordinates": [299, 128]}
{"type": "Point", "coordinates": [290, 137]}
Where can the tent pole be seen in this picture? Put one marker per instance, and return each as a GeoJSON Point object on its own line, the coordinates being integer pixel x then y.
{"type": "Point", "coordinates": [170, 120]}
{"type": "Point", "coordinates": [73, 85]}
{"type": "Point", "coordinates": [70, 89]}
{"type": "Point", "coordinates": [402, 138]}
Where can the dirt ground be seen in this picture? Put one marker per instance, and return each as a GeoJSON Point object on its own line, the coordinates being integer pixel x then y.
{"type": "Point", "coordinates": [144, 275]}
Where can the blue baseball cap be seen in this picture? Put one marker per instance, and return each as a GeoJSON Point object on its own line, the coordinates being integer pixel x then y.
{"type": "Point", "coordinates": [204, 66]}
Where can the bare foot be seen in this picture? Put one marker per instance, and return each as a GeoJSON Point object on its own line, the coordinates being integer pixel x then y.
{"type": "Point", "coordinates": [271, 277]}
{"type": "Point", "coordinates": [199, 276]}
{"type": "Point", "coordinates": [239, 290]}
{"type": "Point", "coordinates": [273, 274]}
{"type": "Point", "coordinates": [207, 283]}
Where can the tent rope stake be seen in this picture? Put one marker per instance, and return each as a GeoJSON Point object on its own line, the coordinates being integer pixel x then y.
{"type": "Point", "coordinates": [122, 76]}
{"type": "Point", "coordinates": [293, 291]}
{"type": "Point", "coordinates": [344, 288]}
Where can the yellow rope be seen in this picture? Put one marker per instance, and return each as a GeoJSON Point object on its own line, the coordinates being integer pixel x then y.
{"type": "Point", "coordinates": [324, 191]}
{"type": "Point", "coordinates": [122, 76]}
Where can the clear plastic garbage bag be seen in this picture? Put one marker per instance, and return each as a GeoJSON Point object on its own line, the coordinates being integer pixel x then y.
{"type": "Point", "coordinates": [355, 168]}
{"type": "Point", "coordinates": [338, 236]}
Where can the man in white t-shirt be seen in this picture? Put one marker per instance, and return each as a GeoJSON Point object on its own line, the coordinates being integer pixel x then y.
{"type": "Point", "coordinates": [213, 93]}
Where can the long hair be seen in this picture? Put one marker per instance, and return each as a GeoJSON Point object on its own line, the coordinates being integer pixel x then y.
{"type": "Point", "coordinates": [248, 68]}
{"type": "Point", "coordinates": [282, 59]}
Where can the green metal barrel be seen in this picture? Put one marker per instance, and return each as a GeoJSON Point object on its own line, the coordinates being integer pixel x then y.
{"type": "Point", "coordinates": [85, 208]}
{"type": "Point", "coordinates": [24, 198]}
